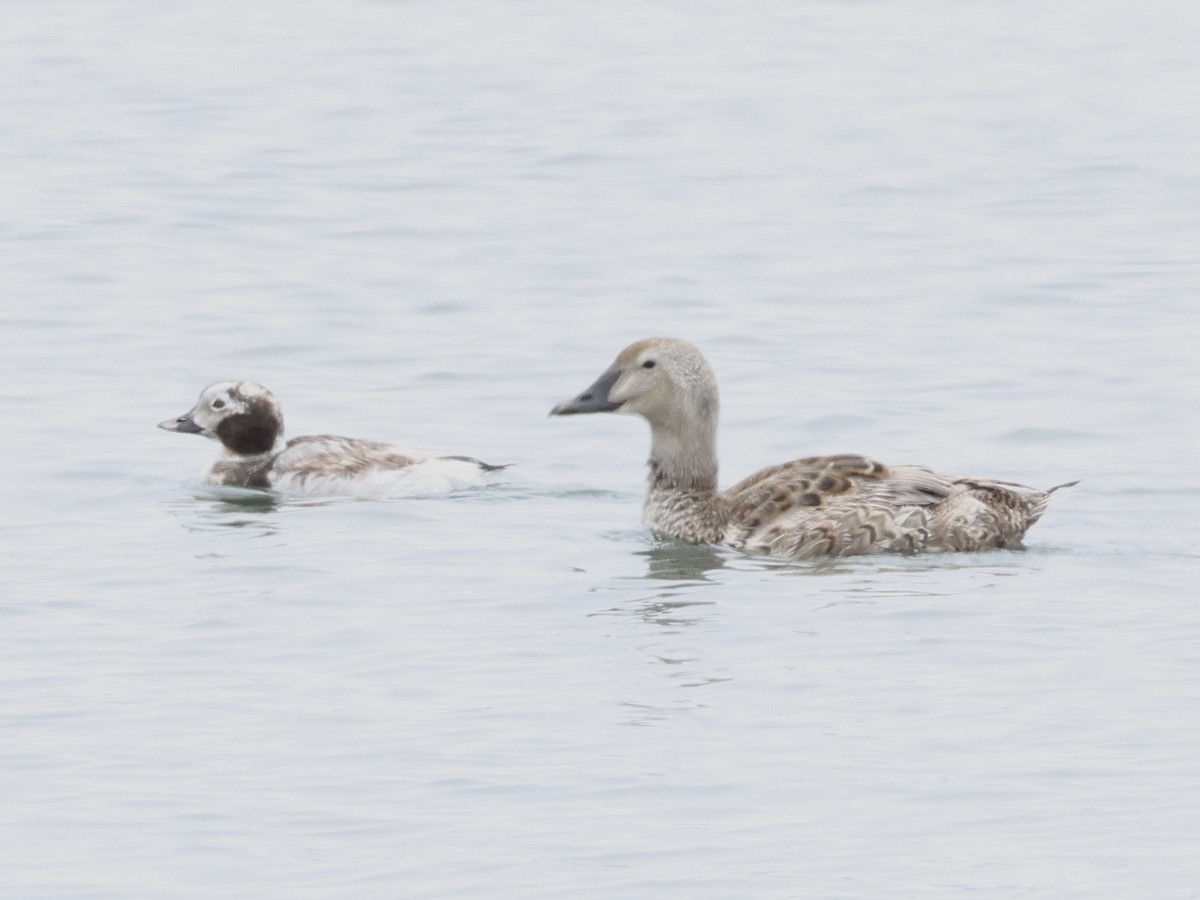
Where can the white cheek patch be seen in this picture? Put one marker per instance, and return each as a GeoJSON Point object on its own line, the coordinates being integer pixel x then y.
{"type": "Point", "coordinates": [231, 397]}
{"type": "Point", "coordinates": [204, 416]}
{"type": "Point", "coordinates": [231, 407]}
{"type": "Point", "coordinates": [231, 394]}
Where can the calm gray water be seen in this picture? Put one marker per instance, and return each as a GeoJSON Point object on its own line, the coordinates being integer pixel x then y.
{"type": "Point", "coordinates": [951, 234]}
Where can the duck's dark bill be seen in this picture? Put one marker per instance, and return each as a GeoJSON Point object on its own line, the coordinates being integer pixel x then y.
{"type": "Point", "coordinates": [594, 399]}
{"type": "Point", "coordinates": [183, 424]}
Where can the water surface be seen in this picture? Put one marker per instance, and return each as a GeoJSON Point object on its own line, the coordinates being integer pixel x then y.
{"type": "Point", "coordinates": [959, 237]}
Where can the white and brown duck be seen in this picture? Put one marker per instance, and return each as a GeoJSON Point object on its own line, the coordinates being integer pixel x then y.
{"type": "Point", "coordinates": [245, 418]}
{"type": "Point", "coordinates": [821, 506]}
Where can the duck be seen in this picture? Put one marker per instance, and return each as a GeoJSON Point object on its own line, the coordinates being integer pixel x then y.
{"type": "Point", "coordinates": [821, 506]}
{"type": "Point", "coordinates": [246, 419]}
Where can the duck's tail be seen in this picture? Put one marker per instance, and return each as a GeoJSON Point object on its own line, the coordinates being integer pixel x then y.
{"type": "Point", "coordinates": [1065, 484]}
{"type": "Point", "coordinates": [1037, 502]}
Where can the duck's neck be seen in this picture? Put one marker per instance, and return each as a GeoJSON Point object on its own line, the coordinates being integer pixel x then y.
{"type": "Point", "coordinates": [238, 468]}
{"type": "Point", "coordinates": [260, 456]}
{"type": "Point", "coordinates": [681, 496]}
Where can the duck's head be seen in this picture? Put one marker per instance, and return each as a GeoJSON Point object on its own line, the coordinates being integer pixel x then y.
{"type": "Point", "coordinates": [667, 381]}
{"type": "Point", "coordinates": [242, 415]}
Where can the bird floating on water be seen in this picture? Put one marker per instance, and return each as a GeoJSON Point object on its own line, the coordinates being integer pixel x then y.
{"type": "Point", "coordinates": [821, 506]}
{"type": "Point", "coordinates": [245, 418]}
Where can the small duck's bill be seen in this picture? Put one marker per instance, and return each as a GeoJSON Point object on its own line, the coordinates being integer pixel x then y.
{"type": "Point", "coordinates": [594, 399]}
{"type": "Point", "coordinates": [182, 424]}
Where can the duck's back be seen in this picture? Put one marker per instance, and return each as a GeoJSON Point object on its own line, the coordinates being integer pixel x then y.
{"type": "Point", "coordinates": [849, 505]}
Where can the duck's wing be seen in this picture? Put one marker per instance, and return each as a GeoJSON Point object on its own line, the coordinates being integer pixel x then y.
{"type": "Point", "coordinates": [833, 506]}
{"type": "Point", "coordinates": [329, 464]}
{"type": "Point", "coordinates": [848, 505]}
{"type": "Point", "coordinates": [330, 454]}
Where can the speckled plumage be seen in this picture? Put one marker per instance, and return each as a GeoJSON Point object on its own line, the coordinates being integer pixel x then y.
{"type": "Point", "coordinates": [824, 506]}
{"type": "Point", "coordinates": [246, 419]}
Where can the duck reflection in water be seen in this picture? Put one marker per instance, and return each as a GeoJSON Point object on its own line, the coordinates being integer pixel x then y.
{"type": "Point", "coordinates": [670, 560]}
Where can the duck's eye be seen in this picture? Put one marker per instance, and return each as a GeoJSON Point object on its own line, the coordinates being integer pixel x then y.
{"type": "Point", "coordinates": [218, 404]}
{"type": "Point", "coordinates": [648, 364]}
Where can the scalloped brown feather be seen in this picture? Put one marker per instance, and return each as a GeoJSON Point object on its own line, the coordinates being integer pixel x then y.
{"type": "Point", "coordinates": [845, 506]}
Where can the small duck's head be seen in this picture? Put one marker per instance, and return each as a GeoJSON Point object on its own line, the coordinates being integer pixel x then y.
{"type": "Point", "coordinates": [242, 415]}
{"type": "Point", "coordinates": [667, 381]}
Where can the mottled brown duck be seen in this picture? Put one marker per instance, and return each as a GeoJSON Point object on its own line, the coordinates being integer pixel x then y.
{"type": "Point", "coordinates": [820, 506]}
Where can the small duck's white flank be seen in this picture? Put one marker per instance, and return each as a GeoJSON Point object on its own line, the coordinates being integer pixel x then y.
{"type": "Point", "coordinates": [245, 418]}
{"type": "Point", "coordinates": [821, 506]}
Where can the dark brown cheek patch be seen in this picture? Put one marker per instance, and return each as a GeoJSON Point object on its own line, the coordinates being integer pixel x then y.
{"type": "Point", "coordinates": [248, 435]}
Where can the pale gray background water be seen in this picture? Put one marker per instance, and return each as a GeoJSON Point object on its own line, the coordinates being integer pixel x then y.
{"type": "Point", "coordinates": [964, 235]}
